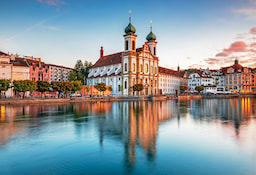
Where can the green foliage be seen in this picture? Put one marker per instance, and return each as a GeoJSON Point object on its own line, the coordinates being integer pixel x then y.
{"type": "Point", "coordinates": [137, 87]}
{"type": "Point", "coordinates": [101, 87]}
{"type": "Point", "coordinates": [42, 86]}
{"type": "Point", "coordinates": [110, 88]}
{"type": "Point", "coordinates": [4, 85]}
{"type": "Point", "coordinates": [72, 76]}
{"type": "Point", "coordinates": [199, 88]}
{"type": "Point", "coordinates": [87, 66]}
{"type": "Point", "coordinates": [87, 88]}
{"type": "Point", "coordinates": [79, 67]}
{"type": "Point", "coordinates": [76, 85]}
{"type": "Point", "coordinates": [80, 77]}
{"type": "Point", "coordinates": [183, 88]}
{"type": "Point", "coordinates": [24, 85]}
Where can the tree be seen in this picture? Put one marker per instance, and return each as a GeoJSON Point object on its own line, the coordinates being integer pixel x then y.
{"type": "Point", "coordinates": [79, 67]}
{"type": "Point", "coordinates": [101, 87]}
{"type": "Point", "coordinates": [87, 66]}
{"type": "Point", "coordinates": [183, 88]}
{"type": "Point", "coordinates": [199, 88]}
{"type": "Point", "coordinates": [42, 86]}
{"type": "Point", "coordinates": [76, 85]}
{"type": "Point", "coordinates": [80, 77]}
{"type": "Point", "coordinates": [4, 85]}
{"type": "Point", "coordinates": [72, 76]}
{"type": "Point", "coordinates": [24, 86]}
{"type": "Point", "coordinates": [137, 87]}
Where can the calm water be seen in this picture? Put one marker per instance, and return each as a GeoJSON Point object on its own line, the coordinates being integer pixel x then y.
{"type": "Point", "coordinates": [174, 137]}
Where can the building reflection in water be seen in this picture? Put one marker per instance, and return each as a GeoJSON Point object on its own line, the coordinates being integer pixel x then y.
{"type": "Point", "coordinates": [134, 124]}
{"type": "Point", "coordinates": [236, 111]}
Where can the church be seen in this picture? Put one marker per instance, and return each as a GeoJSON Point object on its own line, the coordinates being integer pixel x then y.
{"type": "Point", "coordinates": [132, 66]}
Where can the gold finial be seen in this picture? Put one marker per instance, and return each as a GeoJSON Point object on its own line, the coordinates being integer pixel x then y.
{"type": "Point", "coordinates": [130, 15]}
{"type": "Point", "coordinates": [151, 25]}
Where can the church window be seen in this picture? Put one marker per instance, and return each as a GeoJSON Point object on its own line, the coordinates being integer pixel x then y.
{"type": "Point", "coordinates": [154, 50]}
{"type": "Point", "coordinates": [155, 70]}
{"type": "Point", "coordinates": [125, 67]}
{"type": "Point", "coordinates": [141, 68]}
{"type": "Point", "coordinates": [146, 68]}
{"type": "Point", "coordinates": [133, 45]}
{"type": "Point", "coordinates": [151, 69]}
{"type": "Point", "coordinates": [133, 67]}
{"type": "Point", "coordinates": [125, 84]}
{"type": "Point", "coordinates": [126, 45]}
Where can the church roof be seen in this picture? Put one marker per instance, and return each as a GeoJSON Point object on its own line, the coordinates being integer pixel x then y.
{"type": "Point", "coordinates": [164, 70]}
{"type": "Point", "coordinates": [108, 60]}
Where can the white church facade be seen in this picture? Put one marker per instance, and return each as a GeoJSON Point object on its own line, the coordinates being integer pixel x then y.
{"type": "Point", "coordinates": [132, 66]}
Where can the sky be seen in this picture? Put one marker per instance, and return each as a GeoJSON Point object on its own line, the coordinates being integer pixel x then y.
{"type": "Point", "coordinates": [190, 33]}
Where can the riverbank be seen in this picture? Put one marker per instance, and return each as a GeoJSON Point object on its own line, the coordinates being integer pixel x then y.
{"type": "Point", "coordinates": [112, 99]}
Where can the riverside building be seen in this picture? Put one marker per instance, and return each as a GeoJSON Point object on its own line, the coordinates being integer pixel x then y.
{"type": "Point", "coordinates": [133, 66]}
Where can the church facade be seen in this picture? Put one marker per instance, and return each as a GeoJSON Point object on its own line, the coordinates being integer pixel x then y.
{"type": "Point", "coordinates": [133, 66]}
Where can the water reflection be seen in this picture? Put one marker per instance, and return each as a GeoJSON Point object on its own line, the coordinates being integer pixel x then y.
{"type": "Point", "coordinates": [134, 125]}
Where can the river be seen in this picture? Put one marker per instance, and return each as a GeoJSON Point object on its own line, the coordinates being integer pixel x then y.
{"type": "Point", "coordinates": [206, 136]}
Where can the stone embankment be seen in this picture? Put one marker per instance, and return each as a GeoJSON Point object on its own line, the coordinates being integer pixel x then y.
{"type": "Point", "coordinates": [112, 99]}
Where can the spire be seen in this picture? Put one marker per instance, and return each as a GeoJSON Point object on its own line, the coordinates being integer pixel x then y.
{"type": "Point", "coordinates": [130, 18]}
{"type": "Point", "coordinates": [150, 25]}
{"type": "Point", "coordinates": [130, 29]}
{"type": "Point", "coordinates": [178, 68]}
{"type": "Point", "coordinates": [151, 36]}
{"type": "Point", "coordinates": [236, 61]}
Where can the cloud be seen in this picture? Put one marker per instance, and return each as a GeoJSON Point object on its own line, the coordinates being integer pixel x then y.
{"type": "Point", "coordinates": [248, 13]}
{"type": "Point", "coordinates": [40, 23]}
{"type": "Point", "coordinates": [253, 31]}
{"type": "Point", "coordinates": [52, 2]}
{"type": "Point", "coordinates": [51, 27]}
{"type": "Point", "coordinates": [56, 3]}
{"type": "Point", "coordinates": [238, 46]}
{"type": "Point", "coordinates": [222, 54]}
{"type": "Point", "coordinates": [253, 45]}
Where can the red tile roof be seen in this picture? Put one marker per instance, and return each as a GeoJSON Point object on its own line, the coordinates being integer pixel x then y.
{"type": "Point", "coordinates": [236, 67]}
{"type": "Point", "coordinates": [20, 62]}
{"type": "Point", "coordinates": [2, 53]}
{"type": "Point", "coordinates": [170, 72]}
{"type": "Point", "coordinates": [108, 60]}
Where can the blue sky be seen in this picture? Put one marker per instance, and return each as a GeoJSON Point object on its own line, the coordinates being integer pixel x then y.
{"type": "Point", "coordinates": [189, 32]}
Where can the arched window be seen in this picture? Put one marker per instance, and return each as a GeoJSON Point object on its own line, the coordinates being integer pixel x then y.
{"type": "Point", "coordinates": [154, 50]}
{"type": "Point", "coordinates": [141, 68]}
{"type": "Point", "coordinates": [126, 45]}
{"type": "Point", "coordinates": [125, 84]}
{"type": "Point", "coordinates": [146, 68]}
{"type": "Point", "coordinates": [133, 45]}
{"type": "Point", "coordinates": [155, 70]}
{"type": "Point", "coordinates": [125, 67]}
{"type": "Point", "coordinates": [133, 67]}
{"type": "Point", "coordinates": [151, 69]}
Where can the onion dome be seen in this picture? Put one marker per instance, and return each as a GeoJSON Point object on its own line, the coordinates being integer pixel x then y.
{"type": "Point", "coordinates": [151, 37]}
{"type": "Point", "coordinates": [130, 29]}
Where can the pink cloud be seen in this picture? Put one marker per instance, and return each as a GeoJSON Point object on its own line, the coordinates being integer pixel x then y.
{"type": "Point", "coordinates": [238, 46]}
{"type": "Point", "coordinates": [253, 31]}
{"type": "Point", "coordinates": [253, 45]}
{"type": "Point", "coordinates": [53, 2]}
{"type": "Point", "coordinates": [223, 54]}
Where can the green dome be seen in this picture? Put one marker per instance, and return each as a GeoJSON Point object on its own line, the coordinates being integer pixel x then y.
{"type": "Point", "coordinates": [151, 37]}
{"type": "Point", "coordinates": [130, 29]}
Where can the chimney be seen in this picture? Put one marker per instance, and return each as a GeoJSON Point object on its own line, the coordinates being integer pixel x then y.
{"type": "Point", "coordinates": [101, 51]}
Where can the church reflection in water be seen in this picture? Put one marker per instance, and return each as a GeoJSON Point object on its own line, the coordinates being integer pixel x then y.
{"type": "Point", "coordinates": [136, 125]}
{"type": "Point", "coordinates": [133, 124]}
